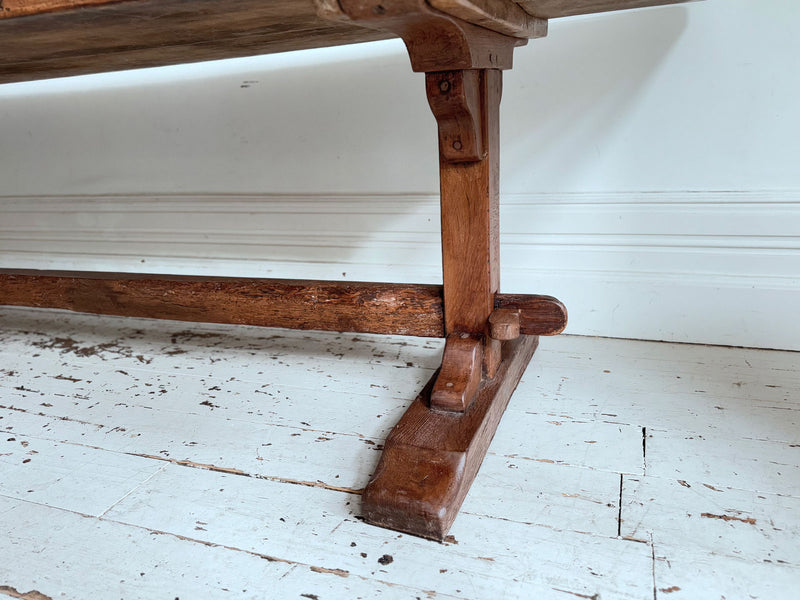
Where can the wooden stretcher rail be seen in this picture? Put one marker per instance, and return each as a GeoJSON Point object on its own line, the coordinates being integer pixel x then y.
{"type": "Point", "coordinates": [384, 308]}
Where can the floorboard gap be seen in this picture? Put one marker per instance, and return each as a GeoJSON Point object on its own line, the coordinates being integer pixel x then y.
{"type": "Point", "coordinates": [619, 512]}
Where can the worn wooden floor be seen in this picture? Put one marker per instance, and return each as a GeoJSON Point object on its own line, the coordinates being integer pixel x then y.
{"type": "Point", "coordinates": [146, 459]}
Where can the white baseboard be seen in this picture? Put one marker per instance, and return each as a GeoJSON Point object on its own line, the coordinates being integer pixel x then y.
{"type": "Point", "coordinates": [707, 267]}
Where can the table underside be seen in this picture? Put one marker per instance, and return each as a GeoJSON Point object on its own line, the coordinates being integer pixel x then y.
{"type": "Point", "coordinates": [41, 39]}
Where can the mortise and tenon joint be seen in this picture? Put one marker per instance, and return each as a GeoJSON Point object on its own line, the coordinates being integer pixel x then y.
{"type": "Point", "coordinates": [433, 454]}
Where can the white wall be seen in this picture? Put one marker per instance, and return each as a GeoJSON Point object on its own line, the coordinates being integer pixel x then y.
{"type": "Point", "coordinates": [649, 171]}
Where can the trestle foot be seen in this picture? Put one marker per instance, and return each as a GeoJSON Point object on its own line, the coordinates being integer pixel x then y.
{"type": "Point", "coordinates": [431, 457]}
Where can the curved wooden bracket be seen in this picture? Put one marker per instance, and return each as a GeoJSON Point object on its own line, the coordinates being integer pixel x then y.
{"type": "Point", "coordinates": [460, 375]}
{"type": "Point", "coordinates": [436, 40]}
{"type": "Point", "coordinates": [456, 100]}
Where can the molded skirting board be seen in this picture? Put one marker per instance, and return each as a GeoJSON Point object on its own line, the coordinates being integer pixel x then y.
{"type": "Point", "coordinates": [708, 267]}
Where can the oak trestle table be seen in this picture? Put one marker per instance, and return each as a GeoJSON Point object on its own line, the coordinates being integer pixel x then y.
{"type": "Point", "coordinates": [434, 452]}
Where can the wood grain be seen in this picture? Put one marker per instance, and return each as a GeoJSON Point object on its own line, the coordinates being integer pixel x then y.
{"type": "Point", "coordinates": [552, 9]}
{"type": "Point", "coordinates": [504, 324]}
{"type": "Point", "coordinates": [470, 223]}
{"type": "Point", "coordinates": [436, 41]}
{"type": "Point", "coordinates": [503, 16]}
{"type": "Point", "coordinates": [56, 38]}
{"type": "Point", "coordinates": [330, 306]}
{"type": "Point", "coordinates": [431, 458]}
{"type": "Point", "coordinates": [536, 313]}
{"type": "Point", "coordinates": [470, 210]}
{"type": "Point", "coordinates": [460, 375]}
{"type": "Point", "coordinates": [402, 309]}
{"type": "Point", "coordinates": [456, 100]}
{"type": "Point", "coordinates": [147, 33]}
{"type": "Point", "coordinates": [21, 8]}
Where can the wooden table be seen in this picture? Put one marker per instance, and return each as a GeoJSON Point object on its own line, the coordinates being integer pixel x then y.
{"type": "Point", "coordinates": [433, 454]}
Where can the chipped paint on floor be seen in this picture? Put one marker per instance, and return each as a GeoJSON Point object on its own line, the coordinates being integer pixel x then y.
{"type": "Point", "coordinates": [143, 459]}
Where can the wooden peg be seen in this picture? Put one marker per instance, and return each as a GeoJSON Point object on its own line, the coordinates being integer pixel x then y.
{"type": "Point", "coordinates": [504, 324]}
{"type": "Point", "coordinates": [538, 315]}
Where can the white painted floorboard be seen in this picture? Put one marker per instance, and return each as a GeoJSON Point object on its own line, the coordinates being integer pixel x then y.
{"type": "Point", "coordinates": [153, 459]}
